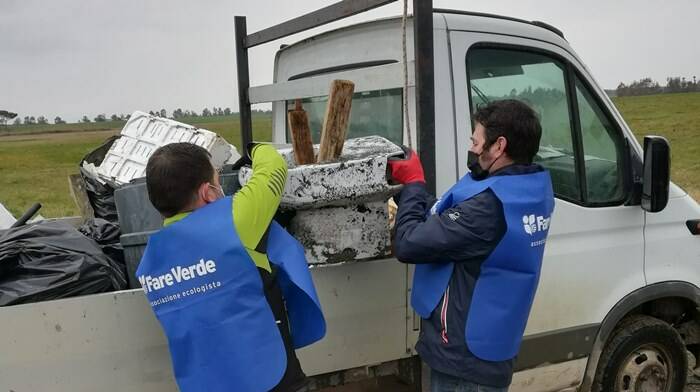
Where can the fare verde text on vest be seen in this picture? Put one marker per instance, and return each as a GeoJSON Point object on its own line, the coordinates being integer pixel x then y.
{"type": "Point", "coordinates": [177, 275]}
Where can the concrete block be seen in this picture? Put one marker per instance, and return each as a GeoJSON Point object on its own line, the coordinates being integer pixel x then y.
{"type": "Point", "coordinates": [341, 207]}
{"type": "Point", "coordinates": [342, 234]}
{"type": "Point", "coordinates": [359, 176]}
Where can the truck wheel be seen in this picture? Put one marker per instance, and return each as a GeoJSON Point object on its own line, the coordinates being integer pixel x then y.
{"type": "Point", "coordinates": [644, 354]}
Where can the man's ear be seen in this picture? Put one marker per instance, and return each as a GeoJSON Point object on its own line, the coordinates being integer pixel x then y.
{"type": "Point", "coordinates": [502, 144]}
{"type": "Point", "coordinates": [205, 193]}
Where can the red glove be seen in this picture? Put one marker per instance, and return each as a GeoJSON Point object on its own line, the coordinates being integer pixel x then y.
{"type": "Point", "coordinates": [407, 169]}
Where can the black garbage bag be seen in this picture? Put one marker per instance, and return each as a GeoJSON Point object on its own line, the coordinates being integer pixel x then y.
{"type": "Point", "coordinates": [102, 231]}
{"type": "Point", "coordinates": [101, 195]}
{"type": "Point", "coordinates": [52, 260]}
{"type": "Point", "coordinates": [106, 234]}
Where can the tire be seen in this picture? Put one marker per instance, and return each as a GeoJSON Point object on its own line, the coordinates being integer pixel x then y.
{"type": "Point", "coordinates": [644, 354]}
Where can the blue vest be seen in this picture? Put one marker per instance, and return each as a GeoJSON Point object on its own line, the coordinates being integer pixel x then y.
{"type": "Point", "coordinates": [208, 296]}
{"type": "Point", "coordinates": [506, 286]}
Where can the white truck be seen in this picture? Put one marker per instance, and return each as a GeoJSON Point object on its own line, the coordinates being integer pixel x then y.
{"type": "Point", "coordinates": [616, 306]}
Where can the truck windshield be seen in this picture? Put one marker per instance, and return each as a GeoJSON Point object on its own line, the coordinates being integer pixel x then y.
{"type": "Point", "coordinates": [377, 112]}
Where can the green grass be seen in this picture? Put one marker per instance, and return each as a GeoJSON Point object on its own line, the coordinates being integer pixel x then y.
{"type": "Point", "coordinates": [37, 171]}
{"type": "Point", "coordinates": [50, 128]}
{"type": "Point", "coordinates": [677, 118]}
{"type": "Point", "coordinates": [226, 126]}
{"type": "Point", "coordinates": [229, 127]}
{"type": "Point", "coordinates": [35, 168]}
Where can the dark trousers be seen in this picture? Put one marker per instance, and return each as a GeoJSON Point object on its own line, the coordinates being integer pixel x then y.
{"type": "Point", "coordinates": [441, 382]}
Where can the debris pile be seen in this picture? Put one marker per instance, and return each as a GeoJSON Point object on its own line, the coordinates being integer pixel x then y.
{"type": "Point", "coordinates": [123, 158]}
{"type": "Point", "coordinates": [341, 207]}
{"type": "Point", "coordinates": [127, 157]}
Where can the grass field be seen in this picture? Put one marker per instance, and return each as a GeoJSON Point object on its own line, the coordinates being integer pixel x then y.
{"type": "Point", "coordinates": [676, 117]}
{"type": "Point", "coordinates": [226, 126]}
{"type": "Point", "coordinates": [57, 128]}
{"type": "Point", "coordinates": [35, 167]}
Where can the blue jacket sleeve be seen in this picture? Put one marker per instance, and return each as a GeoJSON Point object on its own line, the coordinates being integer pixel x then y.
{"type": "Point", "coordinates": [467, 232]}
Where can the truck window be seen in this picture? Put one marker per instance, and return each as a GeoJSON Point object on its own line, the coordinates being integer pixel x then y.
{"type": "Point", "coordinates": [602, 145]}
{"type": "Point", "coordinates": [539, 81]}
{"type": "Point", "coordinates": [377, 112]}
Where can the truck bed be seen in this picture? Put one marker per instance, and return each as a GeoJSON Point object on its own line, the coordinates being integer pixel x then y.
{"type": "Point", "coordinates": [113, 342]}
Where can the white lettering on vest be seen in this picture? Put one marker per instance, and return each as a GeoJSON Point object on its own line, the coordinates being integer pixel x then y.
{"type": "Point", "coordinates": [177, 275]}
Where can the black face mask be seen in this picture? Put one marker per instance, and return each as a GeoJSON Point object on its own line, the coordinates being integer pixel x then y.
{"type": "Point", "coordinates": [478, 173]}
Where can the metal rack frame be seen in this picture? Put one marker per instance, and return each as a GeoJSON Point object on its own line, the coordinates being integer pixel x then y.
{"type": "Point", "coordinates": [424, 68]}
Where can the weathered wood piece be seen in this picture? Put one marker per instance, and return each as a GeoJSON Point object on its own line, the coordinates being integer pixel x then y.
{"type": "Point", "coordinates": [80, 196]}
{"type": "Point", "coordinates": [335, 122]}
{"type": "Point", "coordinates": [301, 135]}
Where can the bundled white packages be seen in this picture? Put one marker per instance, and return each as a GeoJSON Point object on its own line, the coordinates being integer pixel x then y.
{"type": "Point", "coordinates": [143, 134]}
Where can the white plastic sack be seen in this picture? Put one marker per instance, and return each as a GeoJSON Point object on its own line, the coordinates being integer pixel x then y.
{"type": "Point", "coordinates": [6, 218]}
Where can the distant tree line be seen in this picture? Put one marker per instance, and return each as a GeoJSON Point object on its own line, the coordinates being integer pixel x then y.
{"type": "Point", "coordinates": [206, 112]}
{"type": "Point", "coordinates": [647, 86]}
{"type": "Point", "coordinates": [542, 97]}
{"type": "Point", "coordinates": [102, 118]}
{"type": "Point", "coordinates": [6, 116]}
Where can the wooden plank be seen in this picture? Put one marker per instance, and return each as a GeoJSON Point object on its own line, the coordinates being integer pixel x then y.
{"type": "Point", "coordinates": [335, 122]}
{"type": "Point", "coordinates": [301, 135]}
{"type": "Point", "coordinates": [80, 196]}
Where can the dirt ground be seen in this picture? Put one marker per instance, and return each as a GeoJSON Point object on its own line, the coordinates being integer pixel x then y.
{"type": "Point", "coordinates": [693, 384]}
{"type": "Point", "coordinates": [381, 384]}
{"type": "Point", "coordinates": [390, 385]}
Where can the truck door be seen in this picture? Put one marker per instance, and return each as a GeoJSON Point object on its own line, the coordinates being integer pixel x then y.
{"type": "Point", "coordinates": [594, 254]}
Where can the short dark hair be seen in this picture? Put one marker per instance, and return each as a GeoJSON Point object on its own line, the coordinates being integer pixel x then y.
{"type": "Point", "coordinates": [174, 173]}
{"type": "Point", "coordinates": [515, 121]}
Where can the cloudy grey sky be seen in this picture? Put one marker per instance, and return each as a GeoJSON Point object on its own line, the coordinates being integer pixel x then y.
{"type": "Point", "coordinates": [75, 57]}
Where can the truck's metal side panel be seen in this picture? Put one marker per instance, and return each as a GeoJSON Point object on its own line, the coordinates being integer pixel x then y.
{"type": "Point", "coordinates": [112, 342]}
{"type": "Point", "coordinates": [107, 342]}
{"type": "Point", "coordinates": [671, 251]}
{"type": "Point", "coordinates": [366, 311]}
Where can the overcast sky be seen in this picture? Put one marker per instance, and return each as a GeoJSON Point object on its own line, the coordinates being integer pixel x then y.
{"type": "Point", "coordinates": [75, 57]}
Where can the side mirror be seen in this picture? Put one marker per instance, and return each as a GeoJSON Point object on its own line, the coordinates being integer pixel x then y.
{"type": "Point", "coordinates": [657, 168]}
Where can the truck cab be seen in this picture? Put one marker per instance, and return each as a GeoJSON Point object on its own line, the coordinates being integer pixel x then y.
{"type": "Point", "coordinates": [611, 259]}
{"type": "Point", "coordinates": [617, 298]}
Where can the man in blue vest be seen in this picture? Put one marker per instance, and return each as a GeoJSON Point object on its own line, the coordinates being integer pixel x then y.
{"type": "Point", "coordinates": [478, 250]}
{"type": "Point", "coordinates": [230, 287]}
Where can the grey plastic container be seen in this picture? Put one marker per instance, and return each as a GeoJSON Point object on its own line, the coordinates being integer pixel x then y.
{"type": "Point", "coordinates": [138, 219]}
